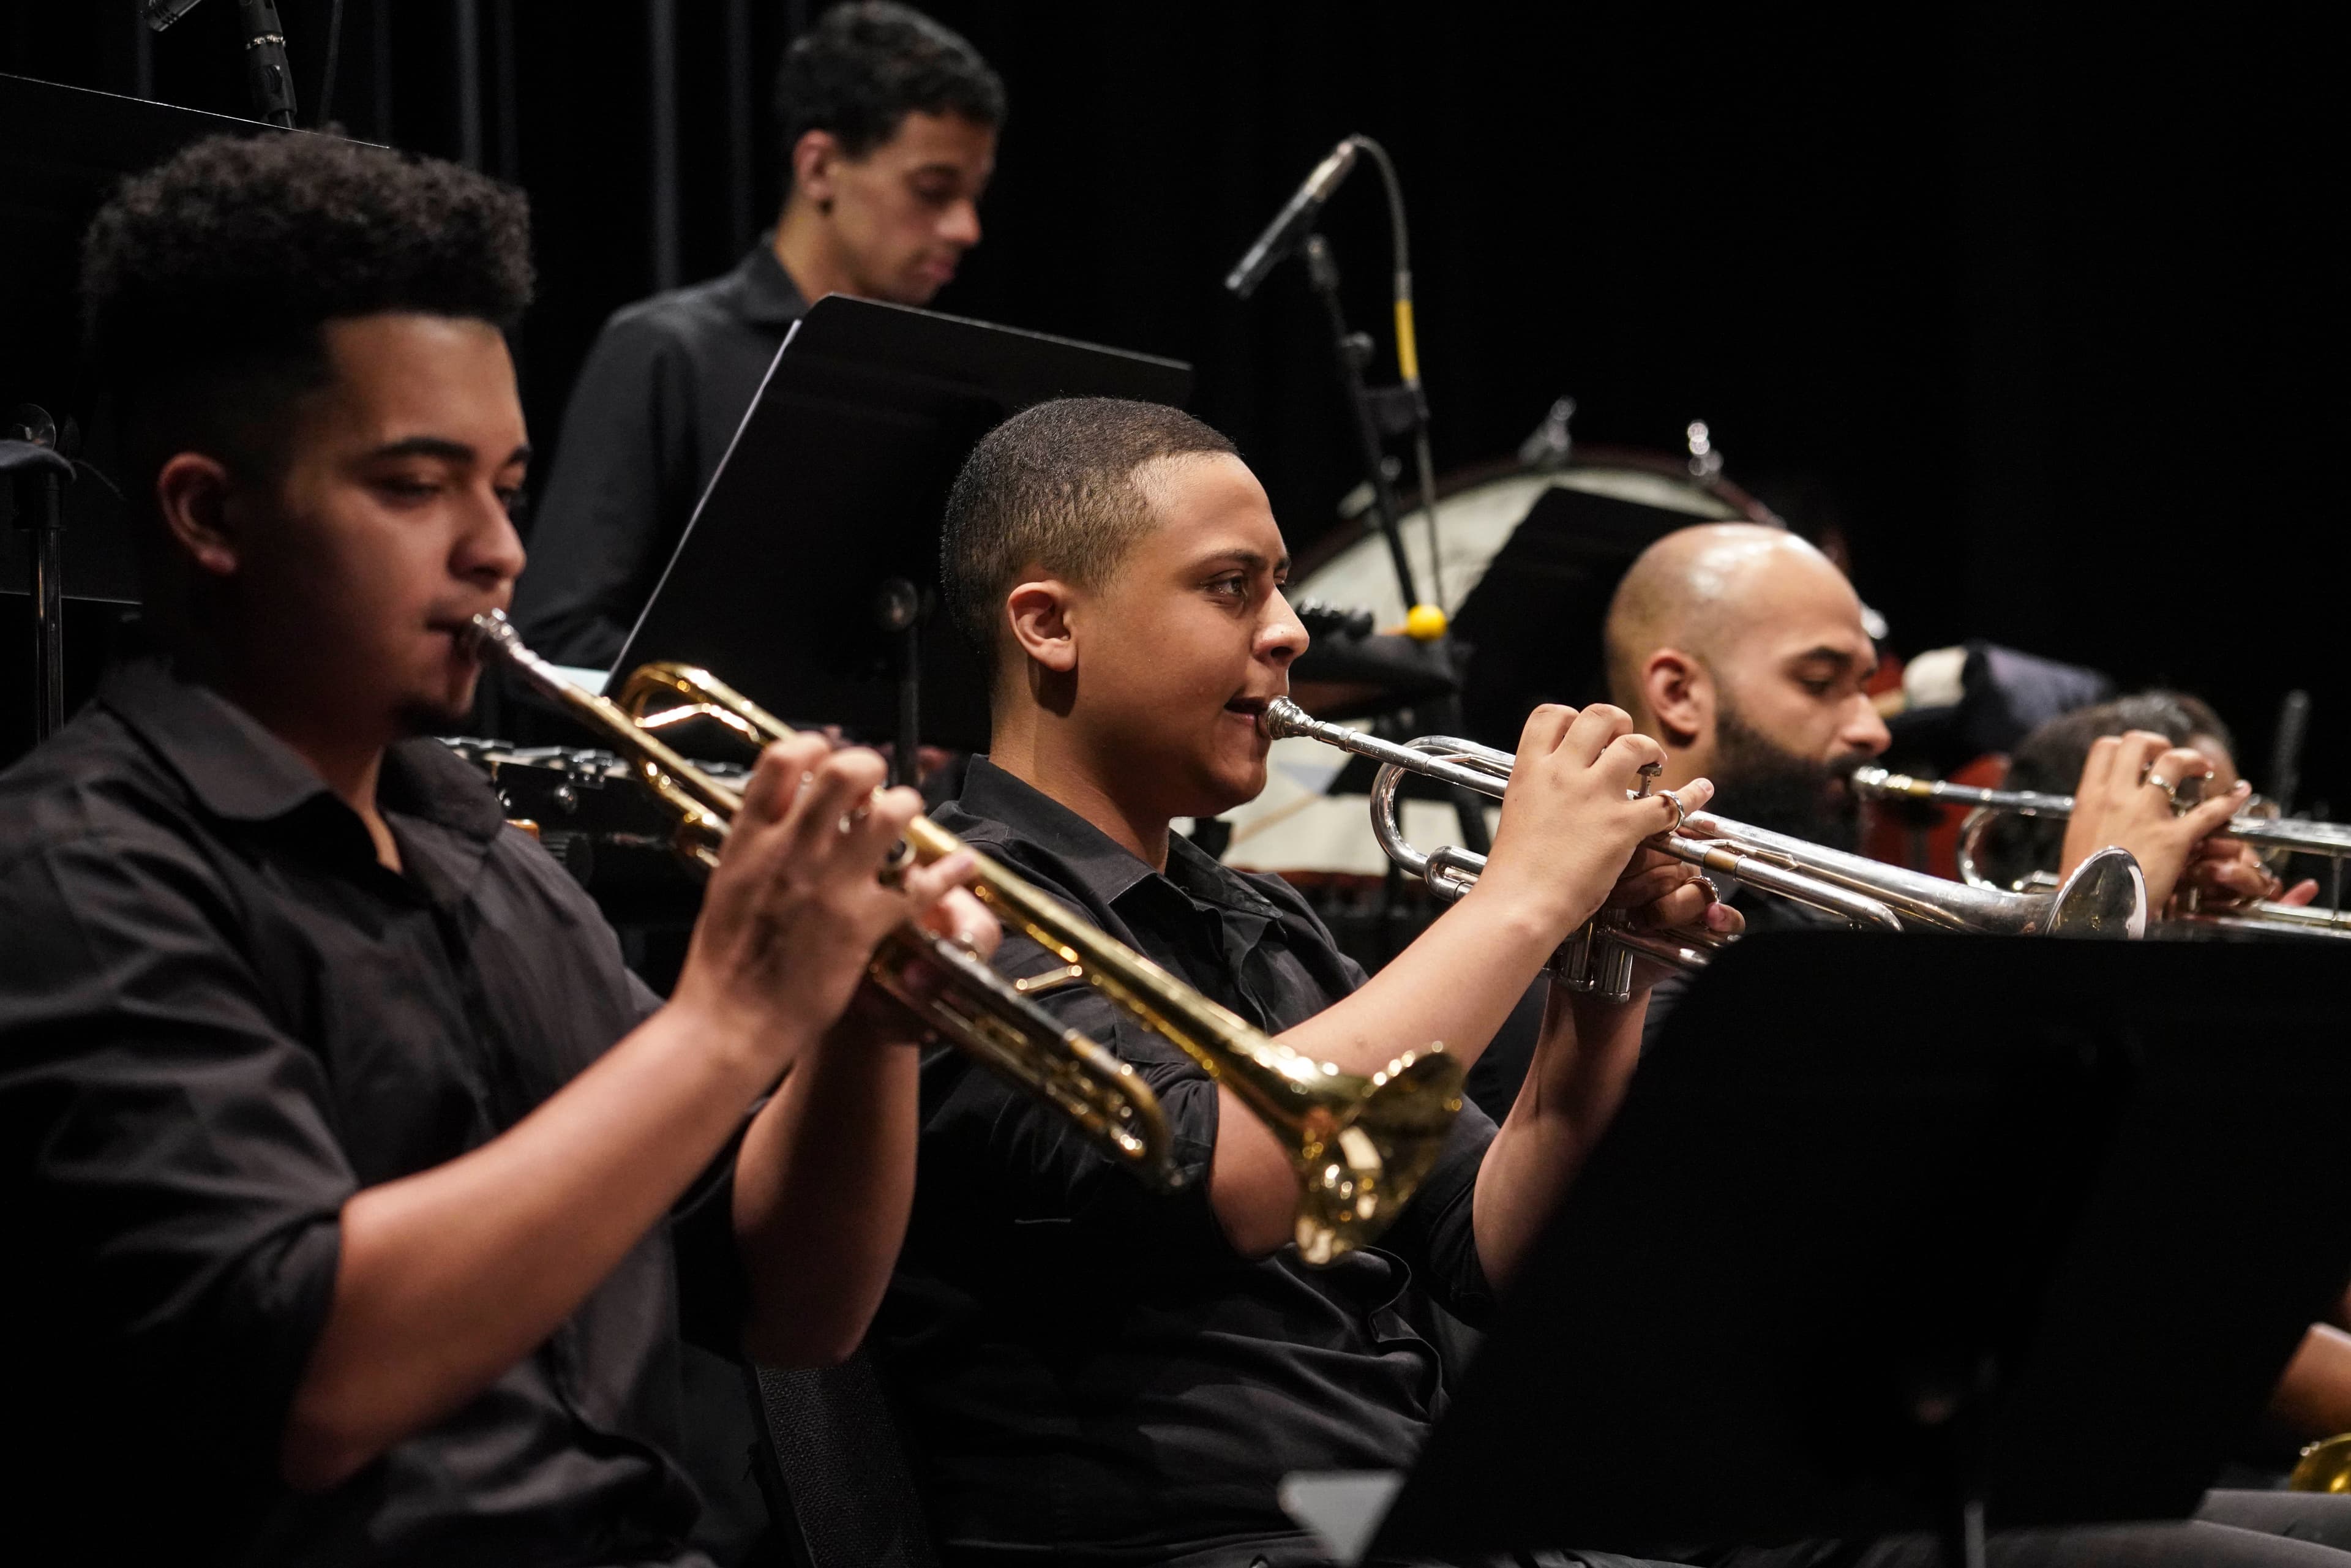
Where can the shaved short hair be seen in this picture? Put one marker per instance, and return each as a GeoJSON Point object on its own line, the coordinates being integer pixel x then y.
{"type": "Point", "coordinates": [1675, 593]}
{"type": "Point", "coordinates": [1055, 487]}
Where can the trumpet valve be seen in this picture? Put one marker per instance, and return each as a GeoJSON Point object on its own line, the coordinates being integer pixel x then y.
{"type": "Point", "coordinates": [1589, 964]}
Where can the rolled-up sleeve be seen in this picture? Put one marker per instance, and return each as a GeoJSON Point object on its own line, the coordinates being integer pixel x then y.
{"type": "Point", "coordinates": [172, 1156]}
{"type": "Point", "coordinates": [1033, 1166]}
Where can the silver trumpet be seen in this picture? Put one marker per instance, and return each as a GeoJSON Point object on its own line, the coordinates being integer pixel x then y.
{"type": "Point", "coordinates": [2271, 836]}
{"type": "Point", "coordinates": [2106, 897]}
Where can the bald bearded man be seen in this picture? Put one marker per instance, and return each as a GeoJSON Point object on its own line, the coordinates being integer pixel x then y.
{"type": "Point", "coordinates": [1741, 650]}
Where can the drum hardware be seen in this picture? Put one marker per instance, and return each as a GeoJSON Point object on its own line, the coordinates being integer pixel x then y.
{"type": "Point", "coordinates": [1360, 1144]}
{"type": "Point", "coordinates": [1552, 444]}
{"type": "Point", "coordinates": [1705, 462]}
{"type": "Point", "coordinates": [2106, 897]}
{"type": "Point", "coordinates": [2258, 825]}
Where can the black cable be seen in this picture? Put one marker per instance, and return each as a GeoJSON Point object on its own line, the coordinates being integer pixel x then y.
{"type": "Point", "coordinates": [1408, 352]}
{"type": "Point", "coordinates": [334, 57]}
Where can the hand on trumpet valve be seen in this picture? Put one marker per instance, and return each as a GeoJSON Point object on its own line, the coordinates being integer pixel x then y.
{"type": "Point", "coordinates": [2225, 871]}
{"type": "Point", "coordinates": [798, 903]}
{"type": "Point", "coordinates": [2134, 793]}
{"type": "Point", "coordinates": [1576, 811]}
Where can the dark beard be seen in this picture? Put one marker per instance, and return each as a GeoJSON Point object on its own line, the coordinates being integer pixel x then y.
{"type": "Point", "coordinates": [1758, 783]}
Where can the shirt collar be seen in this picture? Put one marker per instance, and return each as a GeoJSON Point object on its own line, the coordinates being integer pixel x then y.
{"type": "Point", "coordinates": [239, 771]}
{"type": "Point", "coordinates": [765, 293]}
{"type": "Point", "coordinates": [1107, 868]}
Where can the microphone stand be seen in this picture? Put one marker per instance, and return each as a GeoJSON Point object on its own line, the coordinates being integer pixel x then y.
{"type": "Point", "coordinates": [1379, 416]}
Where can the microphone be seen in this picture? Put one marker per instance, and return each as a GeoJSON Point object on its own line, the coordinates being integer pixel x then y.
{"type": "Point", "coordinates": [1294, 223]}
{"type": "Point", "coordinates": [268, 72]}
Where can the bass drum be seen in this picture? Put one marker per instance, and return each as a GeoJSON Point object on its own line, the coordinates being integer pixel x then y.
{"type": "Point", "coordinates": [1478, 510]}
{"type": "Point", "coordinates": [1323, 841]}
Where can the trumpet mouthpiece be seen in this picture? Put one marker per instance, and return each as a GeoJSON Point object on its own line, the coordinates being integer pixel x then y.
{"type": "Point", "coordinates": [1283, 718]}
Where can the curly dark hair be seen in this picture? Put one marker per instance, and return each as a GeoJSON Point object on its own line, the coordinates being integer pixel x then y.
{"type": "Point", "coordinates": [1053, 486]}
{"type": "Point", "coordinates": [864, 67]}
{"type": "Point", "coordinates": [205, 280]}
{"type": "Point", "coordinates": [2050, 760]}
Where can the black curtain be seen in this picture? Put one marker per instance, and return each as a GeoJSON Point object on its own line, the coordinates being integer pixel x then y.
{"type": "Point", "coordinates": [2035, 310]}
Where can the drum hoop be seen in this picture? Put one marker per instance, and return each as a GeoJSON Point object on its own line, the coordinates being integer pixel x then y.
{"type": "Point", "coordinates": [1343, 534]}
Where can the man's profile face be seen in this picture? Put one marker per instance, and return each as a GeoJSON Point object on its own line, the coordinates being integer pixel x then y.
{"type": "Point", "coordinates": [1793, 716]}
{"type": "Point", "coordinates": [389, 530]}
{"type": "Point", "coordinates": [1179, 650]}
{"type": "Point", "coordinates": [904, 213]}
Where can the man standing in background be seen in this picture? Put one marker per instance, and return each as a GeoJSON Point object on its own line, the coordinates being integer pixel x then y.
{"type": "Point", "coordinates": [889, 124]}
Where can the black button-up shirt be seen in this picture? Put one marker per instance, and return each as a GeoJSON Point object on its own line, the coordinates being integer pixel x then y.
{"type": "Point", "coordinates": [220, 1016]}
{"type": "Point", "coordinates": [1082, 1365]}
{"type": "Point", "coordinates": [654, 410]}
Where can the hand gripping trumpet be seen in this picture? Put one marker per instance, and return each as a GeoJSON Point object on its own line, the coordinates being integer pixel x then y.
{"type": "Point", "coordinates": [1360, 1144]}
{"type": "Point", "coordinates": [2106, 897]}
{"type": "Point", "coordinates": [2269, 834]}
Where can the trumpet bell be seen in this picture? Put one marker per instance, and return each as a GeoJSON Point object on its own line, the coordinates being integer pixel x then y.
{"type": "Point", "coordinates": [2105, 896]}
{"type": "Point", "coordinates": [1357, 1168]}
{"type": "Point", "coordinates": [2324, 1468]}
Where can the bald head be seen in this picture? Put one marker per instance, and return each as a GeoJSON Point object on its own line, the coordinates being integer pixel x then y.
{"type": "Point", "coordinates": [1753, 623]}
{"type": "Point", "coordinates": [1702, 590]}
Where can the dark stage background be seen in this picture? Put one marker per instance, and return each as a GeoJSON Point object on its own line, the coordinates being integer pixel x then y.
{"type": "Point", "coordinates": [2036, 311]}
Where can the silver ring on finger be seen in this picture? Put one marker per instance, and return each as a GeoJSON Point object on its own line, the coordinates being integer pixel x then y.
{"type": "Point", "coordinates": [2170, 789]}
{"type": "Point", "coordinates": [1681, 812]}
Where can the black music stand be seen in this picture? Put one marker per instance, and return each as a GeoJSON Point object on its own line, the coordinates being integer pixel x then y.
{"type": "Point", "coordinates": [809, 572]}
{"type": "Point", "coordinates": [2033, 1251]}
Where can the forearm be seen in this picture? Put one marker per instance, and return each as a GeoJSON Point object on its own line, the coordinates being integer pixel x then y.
{"type": "Point", "coordinates": [449, 1276]}
{"type": "Point", "coordinates": [1456, 985]}
{"type": "Point", "coordinates": [822, 1188]}
{"type": "Point", "coordinates": [1582, 1067]}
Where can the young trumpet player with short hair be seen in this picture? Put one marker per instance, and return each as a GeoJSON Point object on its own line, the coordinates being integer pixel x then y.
{"type": "Point", "coordinates": [1084, 1369]}
{"type": "Point", "coordinates": [359, 1187]}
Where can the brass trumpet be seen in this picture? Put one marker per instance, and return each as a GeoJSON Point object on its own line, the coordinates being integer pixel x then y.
{"type": "Point", "coordinates": [1359, 1143]}
{"type": "Point", "coordinates": [2106, 897]}
{"type": "Point", "coordinates": [2271, 834]}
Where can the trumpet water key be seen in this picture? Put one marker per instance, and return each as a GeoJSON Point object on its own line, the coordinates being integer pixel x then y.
{"type": "Point", "coordinates": [1359, 1143]}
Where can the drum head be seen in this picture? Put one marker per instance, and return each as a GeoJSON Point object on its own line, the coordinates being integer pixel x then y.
{"type": "Point", "coordinates": [1526, 561]}
{"type": "Point", "coordinates": [1478, 510]}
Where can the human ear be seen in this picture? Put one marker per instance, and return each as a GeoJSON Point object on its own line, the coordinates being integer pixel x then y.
{"type": "Point", "coordinates": [1039, 612]}
{"type": "Point", "coordinates": [192, 494]}
{"type": "Point", "coordinates": [1679, 695]}
{"type": "Point", "coordinates": [814, 157]}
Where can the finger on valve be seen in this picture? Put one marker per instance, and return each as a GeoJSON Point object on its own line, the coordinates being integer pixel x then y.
{"type": "Point", "coordinates": [1596, 731]}
{"type": "Point", "coordinates": [823, 814]}
{"type": "Point", "coordinates": [2178, 771]}
{"type": "Point", "coordinates": [776, 778]}
{"type": "Point", "coordinates": [1544, 728]}
{"type": "Point", "coordinates": [960, 917]}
